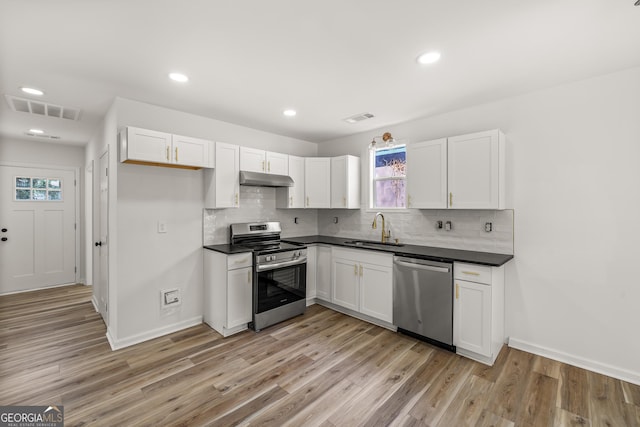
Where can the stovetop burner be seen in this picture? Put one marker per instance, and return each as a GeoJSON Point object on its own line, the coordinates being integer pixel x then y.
{"type": "Point", "coordinates": [261, 238]}
{"type": "Point", "coordinates": [271, 247]}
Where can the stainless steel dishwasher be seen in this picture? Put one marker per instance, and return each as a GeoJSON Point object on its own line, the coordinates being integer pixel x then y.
{"type": "Point", "coordinates": [423, 300]}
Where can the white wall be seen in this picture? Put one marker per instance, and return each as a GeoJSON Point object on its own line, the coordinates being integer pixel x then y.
{"type": "Point", "coordinates": [37, 153]}
{"type": "Point", "coordinates": [572, 174]}
{"type": "Point", "coordinates": [147, 262]}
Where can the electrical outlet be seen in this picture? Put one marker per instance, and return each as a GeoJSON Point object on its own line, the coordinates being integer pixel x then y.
{"type": "Point", "coordinates": [162, 227]}
{"type": "Point", "coordinates": [170, 298]}
{"type": "Point", "coordinates": [488, 227]}
{"type": "Point", "coordinates": [448, 226]}
{"type": "Point", "coordinates": [439, 225]}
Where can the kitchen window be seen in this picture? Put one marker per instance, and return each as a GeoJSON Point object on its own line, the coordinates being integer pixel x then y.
{"type": "Point", "coordinates": [388, 189]}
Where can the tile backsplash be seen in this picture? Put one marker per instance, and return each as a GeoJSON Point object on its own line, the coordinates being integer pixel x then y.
{"type": "Point", "coordinates": [413, 226]}
{"type": "Point", "coordinates": [257, 204]}
{"type": "Point", "coordinates": [420, 227]}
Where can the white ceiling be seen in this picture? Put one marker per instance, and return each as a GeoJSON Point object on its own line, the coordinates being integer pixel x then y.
{"type": "Point", "coordinates": [249, 59]}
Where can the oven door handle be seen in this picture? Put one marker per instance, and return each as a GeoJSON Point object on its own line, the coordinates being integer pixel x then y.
{"type": "Point", "coordinates": [266, 267]}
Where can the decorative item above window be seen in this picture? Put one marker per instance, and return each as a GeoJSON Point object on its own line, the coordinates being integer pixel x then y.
{"type": "Point", "coordinates": [384, 141]}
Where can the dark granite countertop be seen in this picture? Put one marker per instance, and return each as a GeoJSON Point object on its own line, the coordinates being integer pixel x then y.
{"type": "Point", "coordinates": [228, 249]}
{"type": "Point", "coordinates": [415, 251]}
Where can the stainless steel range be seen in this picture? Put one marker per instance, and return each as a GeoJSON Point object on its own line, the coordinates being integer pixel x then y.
{"type": "Point", "coordinates": [279, 273]}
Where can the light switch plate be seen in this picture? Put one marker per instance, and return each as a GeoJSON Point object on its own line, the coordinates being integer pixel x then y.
{"type": "Point", "coordinates": [162, 227]}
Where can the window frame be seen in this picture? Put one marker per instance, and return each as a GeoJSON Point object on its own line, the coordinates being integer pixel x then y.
{"type": "Point", "coordinates": [372, 180]}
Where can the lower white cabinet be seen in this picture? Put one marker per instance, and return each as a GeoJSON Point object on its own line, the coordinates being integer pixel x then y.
{"type": "Point", "coordinates": [323, 272]}
{"type": "Point", "coordinates": [227, 291]}
{"type": "Point", "coordinates": [311, 273]}
{"type": "Point", "coordinates": [362, 281]}
{"type": "Point", "coordinates": [478, 311]}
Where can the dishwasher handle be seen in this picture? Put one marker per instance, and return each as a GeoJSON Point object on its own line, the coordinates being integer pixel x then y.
{"type": "Point", "coordinates": [422, 266]}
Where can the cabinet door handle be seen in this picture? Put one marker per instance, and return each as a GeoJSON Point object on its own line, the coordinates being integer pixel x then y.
{"type": "Point", "coordinates": [355, 269]}
{"type": "Point", "coordinates": [307, 200]}
{"type": "Point", "coordinates": [472, 273]}
{"type": "Point", "coordinates": [291, 201]}
{"type": "Point", "coordinates": [248, 276]}
{"type": "Point", "coordinates": [344, 201]}
{"type": "Point", "coordinates": [409, 201]}
{"type": "Point", "coordinates": [167, 154]}
{"type": "Point", "coordinates": [360, 271]}
{"type": "Point", "coordinates": [176, 154]}
{"type": "Point", "coordinates": [236, 199]}
{"type": "Point", "coordinates": [263, 166]}
{"type": "Point", "coordinates": [269, 166]}
{"type": "Point", "coordinates": [457, 291]}
{"type": "Point", "coordinates": [450, 199]}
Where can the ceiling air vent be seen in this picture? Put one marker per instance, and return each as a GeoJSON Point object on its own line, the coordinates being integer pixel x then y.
{"type": "Point", "coordinates": [42, 135]}
{"type": "Point", "coordinates": [38, 108]}
{"type": "Point", "coordinates": [359, 117]}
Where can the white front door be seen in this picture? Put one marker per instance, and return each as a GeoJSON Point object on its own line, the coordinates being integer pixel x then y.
{"type": "Point", "coordinates": [37, 228]}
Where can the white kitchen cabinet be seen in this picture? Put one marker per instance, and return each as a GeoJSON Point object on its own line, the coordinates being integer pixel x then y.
{"type": "Point", "coordinates": [144, 146]}
{"type": "Point", "coordinates": [345, 283]}
{"type": "Point", "coordinates": [323, 272]}
{"type": "Point", "coordinates": [227, 291]}
{"type": "Point", "coordinates": [317, 182]}
{"type": "Point", "coordinates": [427, 174]}
{"type": "Point", "coordinates": [476, 171]}
{"type": "Point", "coordinates": [254, 160]}
{"type": "Point", "coordinates": [222, 184]}
{"type": "Point", "coordinates": [478, 311]}
{"type": "Point", "coordinates": [362, 281]}
{"type": "Point", "coordinates": [292, 197]}
{"type": "Point", "coordinates": [312, 263]}
{"type": "Point", "coordinates": [345, 182]}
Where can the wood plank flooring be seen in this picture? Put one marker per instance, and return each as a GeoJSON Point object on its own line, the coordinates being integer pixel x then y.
{"type": "Point", "coordinates": [320, 369]}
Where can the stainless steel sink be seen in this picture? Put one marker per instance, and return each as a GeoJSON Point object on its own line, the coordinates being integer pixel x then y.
{"type": "Point", "coordinates": [371, 243]}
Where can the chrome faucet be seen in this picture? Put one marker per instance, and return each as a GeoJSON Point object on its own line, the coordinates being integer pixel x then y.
{"type": "Point", "coordinates": [385, 234]}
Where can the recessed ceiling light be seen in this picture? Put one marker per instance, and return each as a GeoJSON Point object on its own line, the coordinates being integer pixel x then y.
{"type": "Point", "coordinates": [428, 58]}
{"type": "Point", "coordinates": [32, 91]}
{"type": "Point", "coordinates": [289, 113]}
{"type": "Point", "coordinates": [36, 131]}
{"type": "Point", "coordinates": [178, 77]}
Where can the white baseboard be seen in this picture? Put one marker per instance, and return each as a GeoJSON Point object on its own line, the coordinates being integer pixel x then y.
{"type": "Point", "coordinates": [95, 303]}
{"type": "Point", "coordinates": [580, 362]}
{"type": "Point", "coordinates": [117, 344]}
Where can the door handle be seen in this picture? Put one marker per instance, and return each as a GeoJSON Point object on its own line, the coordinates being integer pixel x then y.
{"type": "Point", "coordinates": [4, 239]}
{"type": "Point", "coordinates": [98, 243]}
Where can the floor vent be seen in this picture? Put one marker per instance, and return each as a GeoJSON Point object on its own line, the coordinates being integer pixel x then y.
{"type": "Point", "coordinates": [38, 108]}
{"type": "Point", "coordinates": [359, 117]}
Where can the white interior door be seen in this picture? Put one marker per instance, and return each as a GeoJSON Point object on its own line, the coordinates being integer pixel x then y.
{"type": "Point", "coordinates": [101, 286]}
{"type": "Point", "coordinates": [37, 223]}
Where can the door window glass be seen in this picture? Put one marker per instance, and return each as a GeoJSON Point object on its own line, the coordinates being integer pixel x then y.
{"type": "Point", "coordinates": [38, 189]}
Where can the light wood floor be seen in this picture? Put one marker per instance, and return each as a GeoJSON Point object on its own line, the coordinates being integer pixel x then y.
{"type": "Point", "coordinates": [322, 368]}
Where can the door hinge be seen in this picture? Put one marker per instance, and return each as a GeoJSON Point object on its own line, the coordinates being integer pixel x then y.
{"type": "Point", "coordinates": [106, 171]}
{"type": "Point", "coordinates": [106, 307]}
{"type": "Point", "coordinates": [75, 226]}
{"type": "Point", "coordinates": [75, 269]}
{"type": "Point", "coordinates": [75, 183]}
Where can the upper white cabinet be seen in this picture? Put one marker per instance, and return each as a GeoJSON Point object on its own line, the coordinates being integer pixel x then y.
{"type": "Point", "coordinates": [222, 184]}
{"type": "Point", "coordinates": [254, 160]}
{"type": "Point", "coordinates": [317, 182]}
{"type": "Point", "coordinates": [345, 182]}
{"type": "Point", "coordinates": [144, 146]}
{"type": "Point", "coordinates": [292, 197]}
{"type": "Point", "coordinates": [427, 174]}
{"type": "Point", "coordinates": [476, 171]}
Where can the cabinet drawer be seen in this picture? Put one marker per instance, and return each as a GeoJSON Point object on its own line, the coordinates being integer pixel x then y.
{"type": "Point", "coordinates": [239, 261]}
{"type": "Point", "coordinates": [472, 272]}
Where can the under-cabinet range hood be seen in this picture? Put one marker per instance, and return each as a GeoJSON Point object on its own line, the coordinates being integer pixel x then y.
{"type": "Point", "coordinates": [265, 179]}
